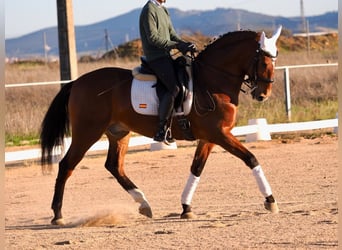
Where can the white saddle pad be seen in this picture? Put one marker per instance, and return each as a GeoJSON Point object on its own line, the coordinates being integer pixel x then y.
{"type": "Point", "coordinates": [144, 97]}
{"type": "Point", "coordinates": [145, 101]}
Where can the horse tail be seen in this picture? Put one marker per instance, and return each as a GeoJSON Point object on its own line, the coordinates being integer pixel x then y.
{"type": "Point", "coordinates": [55, 124]}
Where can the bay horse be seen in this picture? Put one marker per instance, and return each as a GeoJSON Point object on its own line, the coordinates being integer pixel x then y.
{"type": "Point", "coordinates": [99, 103]}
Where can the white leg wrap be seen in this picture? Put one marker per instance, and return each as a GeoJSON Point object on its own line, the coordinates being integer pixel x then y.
{"type": "Point", "coordinates": [137, 195]}
{"type": "Point", "coordinates": [262, 182]}
{"type": "Point", "coordinates": [189, 189]}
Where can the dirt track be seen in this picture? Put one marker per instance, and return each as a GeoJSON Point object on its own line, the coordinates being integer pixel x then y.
{"type": "Point", "coordinates": [302, 173]}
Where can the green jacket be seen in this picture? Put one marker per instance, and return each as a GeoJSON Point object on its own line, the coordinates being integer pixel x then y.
{"type": "Point", "coordinates": [158, 35]}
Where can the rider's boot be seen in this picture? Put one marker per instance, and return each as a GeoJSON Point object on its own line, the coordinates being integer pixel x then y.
{"type": "Point", "coordinates": [165, 110]}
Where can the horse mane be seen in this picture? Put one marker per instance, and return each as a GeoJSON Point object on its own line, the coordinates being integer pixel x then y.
{"type": "Point", "coordinates": [229, 39]}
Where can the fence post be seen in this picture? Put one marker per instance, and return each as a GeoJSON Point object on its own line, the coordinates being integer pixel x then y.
{"type": "Point", "coordinates": [287, 92]}
{"type": "Point", "coordinates": [66, 40]}
{"type": "Point", "coordinates": [336, 128]}
{"type": "Point", "coordinates": [262, 133]}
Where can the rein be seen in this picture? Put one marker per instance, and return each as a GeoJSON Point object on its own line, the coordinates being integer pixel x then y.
{"type": "Point", "coordinates": [216, 70]}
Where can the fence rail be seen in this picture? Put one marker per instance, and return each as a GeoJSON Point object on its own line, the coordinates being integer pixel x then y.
{"type": "Point", "coordinates": [307, 66]}
{"type": "Point", "coordinates": [15, 85]}
{"type": "Point", "coordinates": [31, 154]}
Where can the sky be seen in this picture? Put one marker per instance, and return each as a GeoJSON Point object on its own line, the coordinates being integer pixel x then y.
{"type": "Point", "coordinates": [25, 16]}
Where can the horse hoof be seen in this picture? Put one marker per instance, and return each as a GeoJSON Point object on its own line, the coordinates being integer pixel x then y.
{"type": "Point", "coordinates": [146, 211]}
{"type": "Point", "coordinates": [58, 222]}
{"type": "Point", "coordinates": [272, 207]}
{"type": "Point", "coordinates": [188, 215]}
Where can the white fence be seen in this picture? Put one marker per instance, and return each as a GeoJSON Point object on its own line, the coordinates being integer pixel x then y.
{"type": "Point", "coordinates": [286, 70]}
{"type": "Point", "coordinates": [16, 85]}
{"type": "Point", "coordinates": [11, 157]}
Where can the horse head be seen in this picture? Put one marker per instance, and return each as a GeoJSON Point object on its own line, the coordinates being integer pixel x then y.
{"type": "Point", "coordinates": [261, 73]}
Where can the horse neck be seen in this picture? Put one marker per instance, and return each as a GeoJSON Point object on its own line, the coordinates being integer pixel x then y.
{"type": "Point", "coordinates": [217, 73]}
{"type": "Point", "coordinates": [234, 59]}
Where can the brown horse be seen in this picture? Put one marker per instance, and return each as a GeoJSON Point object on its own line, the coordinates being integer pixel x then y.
{"type": "Point", "coordinates": [99, 103]}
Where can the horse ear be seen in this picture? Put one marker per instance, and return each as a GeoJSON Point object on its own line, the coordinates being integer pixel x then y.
{"type": "Point", "coordinates": [262, 39]}
{"type": "Point", "coordinates": [277, 33]}
{"type": "Point", "coordinates": [269, 44]}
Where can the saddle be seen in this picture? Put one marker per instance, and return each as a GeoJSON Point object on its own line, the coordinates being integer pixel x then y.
{"type": "Point", "coordinates": [143, 74]}
{"type": "Point", "coordinates": [147, 90]}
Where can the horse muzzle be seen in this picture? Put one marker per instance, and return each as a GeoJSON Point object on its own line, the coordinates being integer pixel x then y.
{"type": "Point", "coordinates": [260, 96]}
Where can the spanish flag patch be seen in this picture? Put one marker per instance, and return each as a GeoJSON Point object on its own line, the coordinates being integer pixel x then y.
{"type": "Point", "coordinates": [142, 105]}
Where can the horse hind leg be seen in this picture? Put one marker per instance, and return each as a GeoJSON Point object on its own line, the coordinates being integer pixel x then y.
{"type": "Point", "coordinates": [66, 167]}
{"type": "Point", "coordinates": [79, 146]}
{"type": "Point", "coordinates": [63, 174]}
{"type": "Point", "coordinates": [118, 146]}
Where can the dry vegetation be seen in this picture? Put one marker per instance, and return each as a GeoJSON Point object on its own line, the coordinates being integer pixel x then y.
{"type": "Point", "coordinates": [313, 90]}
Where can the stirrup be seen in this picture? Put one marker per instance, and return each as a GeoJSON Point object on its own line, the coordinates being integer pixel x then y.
{"type": "Point", "coordinates": [168, 137]}
{"type": "Point", "coordinates": [164, 136]}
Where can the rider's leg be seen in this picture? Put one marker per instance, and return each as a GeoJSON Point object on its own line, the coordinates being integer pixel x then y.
{"type": "Point", "coordinates": [164, 70]}
{"type": "Point", "coordinates": [165, 111]}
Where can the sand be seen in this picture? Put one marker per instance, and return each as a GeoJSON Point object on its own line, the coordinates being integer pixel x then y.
{"type": "Point", "coordinates": [228, 205]}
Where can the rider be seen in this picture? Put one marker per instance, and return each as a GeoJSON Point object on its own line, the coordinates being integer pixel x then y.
{"type": "Point", "coordinates": [158, 37]}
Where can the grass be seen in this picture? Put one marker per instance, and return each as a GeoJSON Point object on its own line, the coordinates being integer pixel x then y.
{"type": "Point", "coordinates": [21, 140]}
{"type": "Point", "coordinates": [274, 111]}
{"type": "Point", "coordinates": [313, 93]}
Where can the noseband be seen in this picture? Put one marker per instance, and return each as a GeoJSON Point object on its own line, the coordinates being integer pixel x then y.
{"type": "Point", "coordinates": [251, 81]}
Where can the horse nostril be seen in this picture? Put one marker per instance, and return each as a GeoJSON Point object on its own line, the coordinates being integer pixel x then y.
{"type": "Point", "coordinates": [260, 98]}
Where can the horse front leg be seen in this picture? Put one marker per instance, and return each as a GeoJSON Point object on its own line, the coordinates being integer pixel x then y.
{"type": "Point", "coordinates": [201, 155]}
{"type": "Point", "coordinates": [118, 146]}
{"type": "Point", "coordinates": [234, 146]}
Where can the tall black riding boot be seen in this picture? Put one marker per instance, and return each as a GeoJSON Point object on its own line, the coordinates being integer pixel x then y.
{"type": "Point", "coordinates": [165, 111]}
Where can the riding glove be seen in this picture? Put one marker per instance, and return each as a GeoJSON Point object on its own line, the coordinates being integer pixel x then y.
{"type": "Point", "coordinates": [184, 47]}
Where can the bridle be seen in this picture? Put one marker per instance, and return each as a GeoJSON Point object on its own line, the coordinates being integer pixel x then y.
{"type": "Point", "coordinates": [250, 81]}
